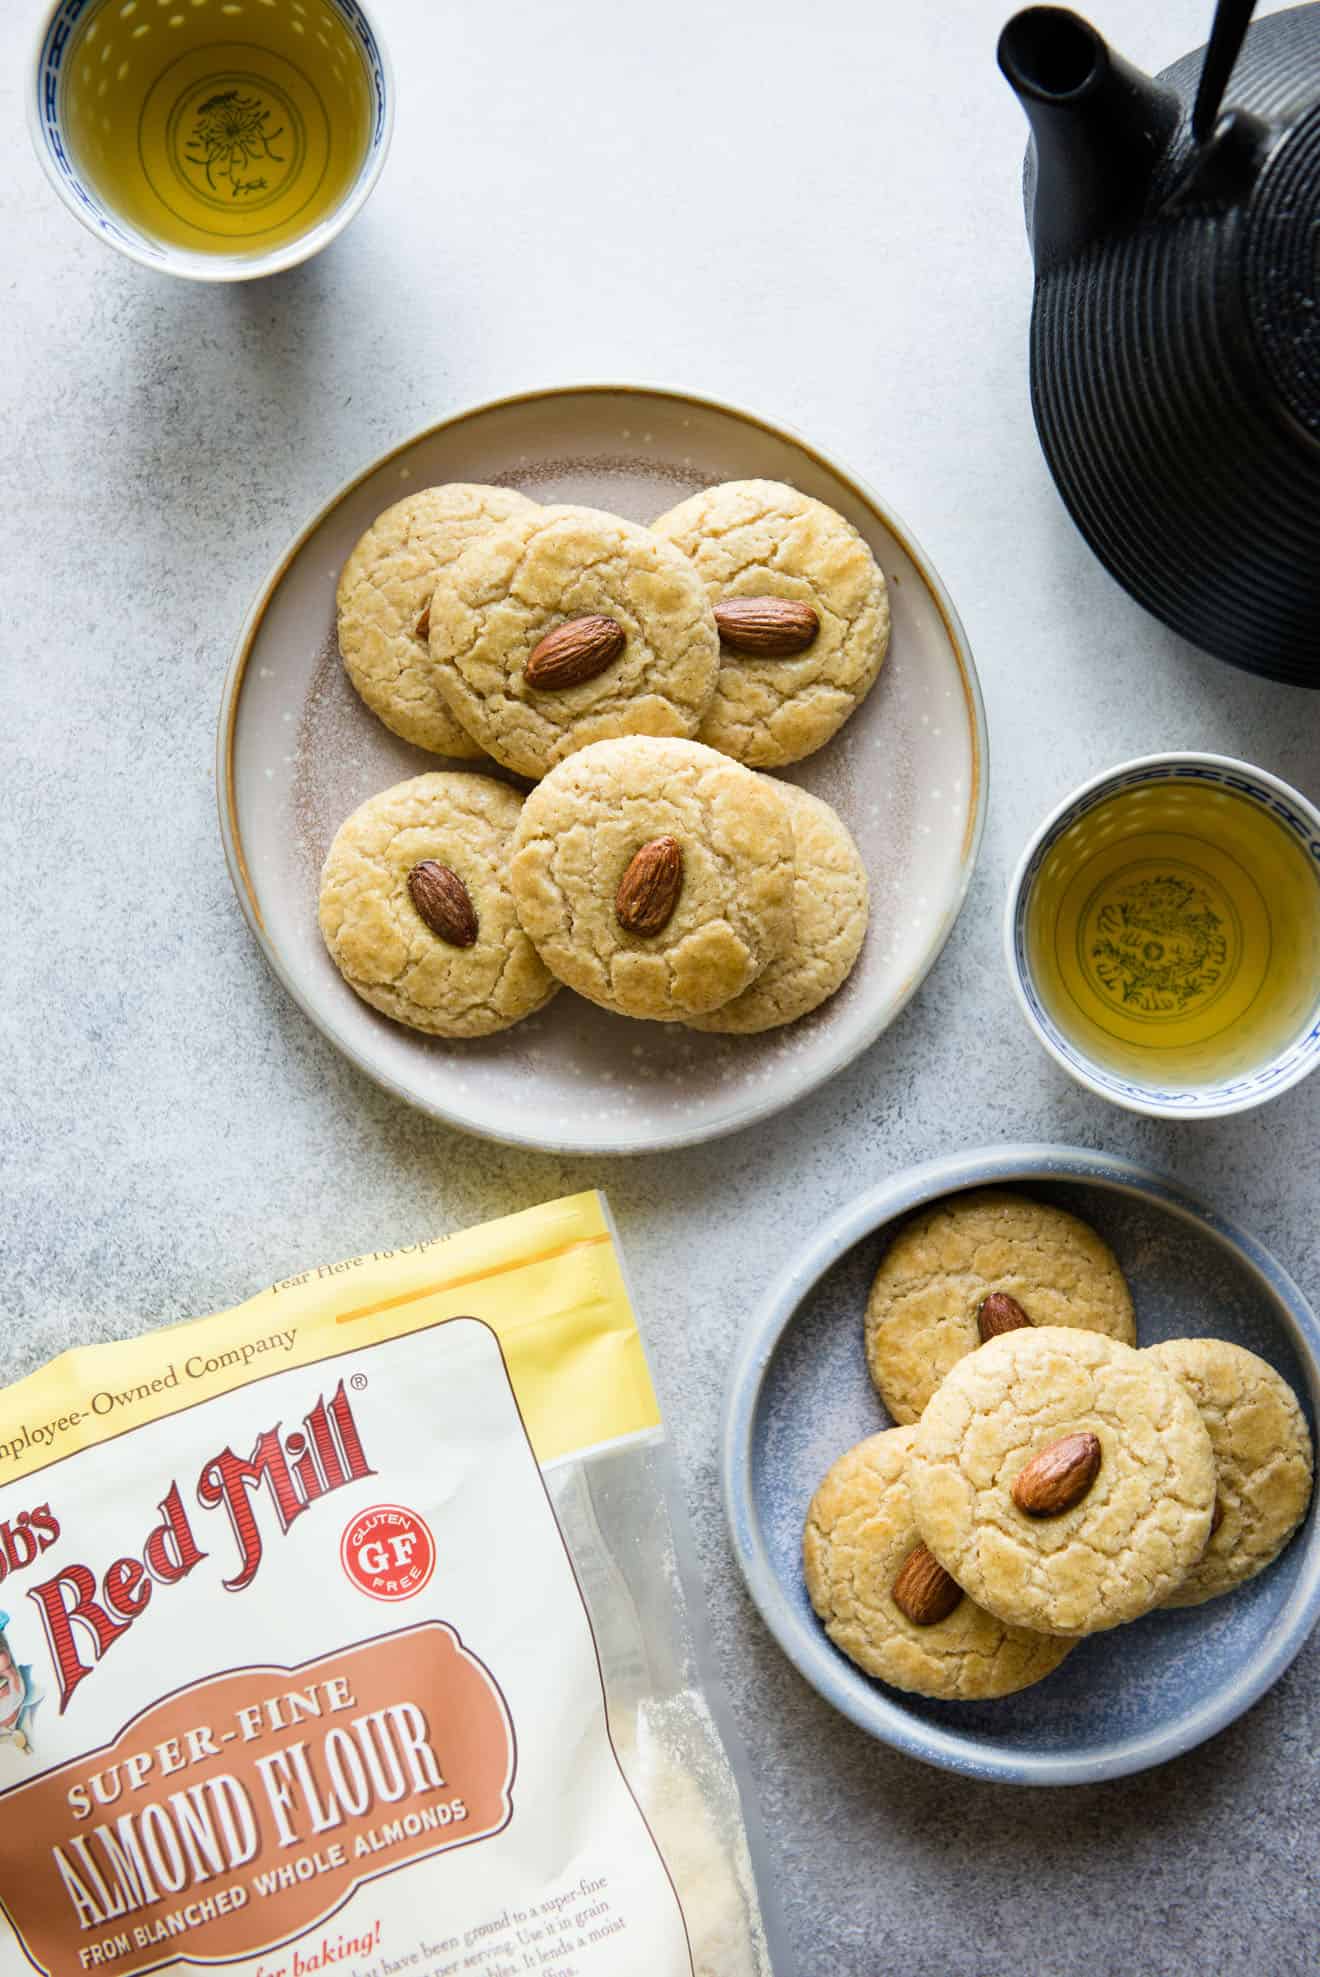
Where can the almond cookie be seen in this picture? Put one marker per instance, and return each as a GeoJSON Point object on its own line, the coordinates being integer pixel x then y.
{"type": "Point", "coordinates": [417, 912]}
{"type": "Point", "coordinates": [793, 671]}
{"type": "Point", "coordinates": [829, 924]}
{"type": "Point", "coordinates": [924, 1313]}
{"type": "Point", "coordinates": [1066, 1481]}
{"type": "Point", "coordinates": [566, 626]}
{"type": "Point", "coordinates": [384, 597]}
{"type": "Point", "coordinates": [1262, 1451]}
{"type": "Point", "coordinates": [655, 877]}
{"type": "Point", "coordinates": [900, 1617]}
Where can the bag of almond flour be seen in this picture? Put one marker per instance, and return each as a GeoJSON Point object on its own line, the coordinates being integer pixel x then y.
{"type": "Point", "coordinates": [344, 1631]}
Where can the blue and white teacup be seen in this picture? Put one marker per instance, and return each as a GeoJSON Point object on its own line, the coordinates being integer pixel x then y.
{"type": "Point", "coordinates": [1125, 939]}
{"type": "Point", "coordinates": [66, 34]}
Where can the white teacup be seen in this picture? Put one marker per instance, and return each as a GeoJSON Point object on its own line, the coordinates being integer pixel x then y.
{"type": "Point", "coordinates": [145, 89]}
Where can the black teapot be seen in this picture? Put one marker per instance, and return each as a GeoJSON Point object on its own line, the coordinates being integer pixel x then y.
{"type": "Point", "coordinates": [1175, 333]}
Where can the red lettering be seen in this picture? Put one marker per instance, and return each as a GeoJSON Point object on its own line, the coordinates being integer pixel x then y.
{"type": "Point", "coordinates": [234, 1480]}
{"type": "Point", "coordinates": [349, 1440]}
{"type": "Point", "coordinates": [58, 1618]}
{"type": "Point", "coordinates": [46, 1524]}
{"type": "Point", "coordinates": [124, 1588]}
{"type": "Point", "coordinates": [78, 1623]}
{"type": "Point", "coordinates": [20, 1544]}
{"type": "Point", "coordinates": [28, 1535]}
{"type": "Point", "coordinates": [171, 1550]}
{"type": "Point", "coordinates": [227, 1480]}
{"type": "Point", "coordinates": [68, 1601]}
{"type": "Point", "coordinates": [327, 1448]}
{"type": "Point", "coordinates": [304, 1467]}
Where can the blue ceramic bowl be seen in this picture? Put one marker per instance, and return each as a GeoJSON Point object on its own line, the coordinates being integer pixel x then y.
{"type": "Point", "coordinates": [800, 1395]}
{"type": "Point", "coordinates": [50, 137]}
{"type": "Point", "coordinates": [1290, 810]}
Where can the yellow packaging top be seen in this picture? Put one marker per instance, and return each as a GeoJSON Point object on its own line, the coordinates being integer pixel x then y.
{"type": "Point", "coordinates": [547, 1281]}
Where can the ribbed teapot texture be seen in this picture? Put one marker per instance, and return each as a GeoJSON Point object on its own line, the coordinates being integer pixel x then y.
{"type": "Point", "coordinates": [1175, 331]}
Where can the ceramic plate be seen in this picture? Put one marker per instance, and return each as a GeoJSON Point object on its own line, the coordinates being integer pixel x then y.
{"type": "Point", "coordinates": [298, 751]}
{"type": "Point", "coordinates": [800, 1396]}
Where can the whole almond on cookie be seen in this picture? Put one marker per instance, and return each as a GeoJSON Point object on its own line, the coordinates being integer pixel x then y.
{"type": "Point", "coordinates": [574, 652]}
{"type": "Point", "coordinates": [835, 623]}
{"type": "Point", "coordinates": [655, 876]}
{"type": "Point", "coordinates": [1064, 1478]}
{"type": "Point", "coordinates": [567, 627]}
{"type": "Point", "coordinates": [1059, 1476]}
{"type": "Point", "coordinates": [923, 1590]}
{"type": "Point", "coordinates": [999, 1313]}
{"type": "Point", "coordinates": [444, 902]}
{"type": "Point", "coordinates": [443, 954]}
{"type": "Point", "coordinates": [930, 1304]}
{"type": "Point", "coordinates": [648, 891]}
{"type": "Point", "coordinates": [880, 1591]}
{"type": "Point", "coordinates": [766, 627]}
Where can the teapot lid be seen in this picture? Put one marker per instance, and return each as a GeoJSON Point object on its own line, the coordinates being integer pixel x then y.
{"type": "Point", "coordinates": [1282, 269]}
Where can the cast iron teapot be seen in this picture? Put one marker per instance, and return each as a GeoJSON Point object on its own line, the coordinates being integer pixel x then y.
{"type": "Point", "coordinates": [1175, 334]}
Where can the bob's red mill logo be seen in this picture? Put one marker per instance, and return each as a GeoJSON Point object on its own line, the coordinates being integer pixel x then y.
{"type": "Point", "coordinates": [241, 1810]}
{"type": "Point", "coordinates": [85, 1612]}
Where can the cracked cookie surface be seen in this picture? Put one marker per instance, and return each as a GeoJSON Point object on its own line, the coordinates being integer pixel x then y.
{"type": "Point", "coordinates": [859, 1531]}
{"type": "Point", "coordinates": [829, 924]}
{"type": "Point", "coordinates": [492, 607]}
{"type": "Point", "coordinates": [379, 941]}
{"type": "Point", "coordinates": [1263, 1459]}
{"type": "Point", "coordinates": [922, 1311]}
{"type": "Point", "coordinates": [765, 539]}
{"type": "Point", "coordinates": [580, 830]}
{"type": "Point", "coordinates": [1134, 1535]}
{"type": "Point", "coordinates": [385, 587]}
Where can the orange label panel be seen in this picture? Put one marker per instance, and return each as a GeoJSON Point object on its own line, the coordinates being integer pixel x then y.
{"type": "Point", "coordinates": [244, 1809]}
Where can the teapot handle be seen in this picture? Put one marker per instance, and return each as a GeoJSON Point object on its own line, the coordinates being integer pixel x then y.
{"type": "Point", "coordinates": [1232, 19]}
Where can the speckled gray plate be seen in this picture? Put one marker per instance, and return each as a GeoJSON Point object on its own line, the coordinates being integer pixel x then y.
{"type": "Point", "coordinates": [298, 751]}
{"type": "Point", "coordinates": [800, 1395]}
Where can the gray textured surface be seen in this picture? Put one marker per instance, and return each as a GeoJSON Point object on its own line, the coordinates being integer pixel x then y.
{"type": "Point", "coordinates": [812, 211]}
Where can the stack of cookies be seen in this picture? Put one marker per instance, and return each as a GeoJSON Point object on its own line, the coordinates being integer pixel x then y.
{"type": "Point", "coordinates": [1047, 1479]}
{"type": "Point", "coordinates": [642, 679]}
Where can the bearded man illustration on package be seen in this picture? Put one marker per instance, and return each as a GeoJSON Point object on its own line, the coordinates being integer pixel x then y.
{"type": "Point", "coordinates": [18, 1698]}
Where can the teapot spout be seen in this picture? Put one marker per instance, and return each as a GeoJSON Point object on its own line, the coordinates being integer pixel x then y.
{"type": "Point", "coordinates": [1098, 129]}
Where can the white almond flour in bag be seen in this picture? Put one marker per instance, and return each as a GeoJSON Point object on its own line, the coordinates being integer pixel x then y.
{"type": "Point", "coordinates": [344, 1631]}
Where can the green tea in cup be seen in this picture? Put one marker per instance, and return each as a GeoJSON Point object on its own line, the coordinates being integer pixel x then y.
{"type": "Point", "coordinates": [1163, 935]}
{"type": "Point", "coordinates": [219, 127]}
